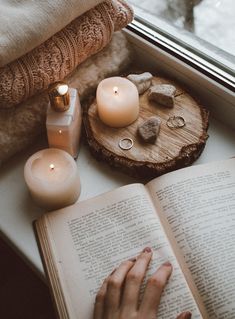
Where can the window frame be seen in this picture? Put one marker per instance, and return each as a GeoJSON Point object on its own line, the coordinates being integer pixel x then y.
{"type": "Point", "coordinates": [153, 57]}
{"type": "Point", "coordinates": [174, 48]}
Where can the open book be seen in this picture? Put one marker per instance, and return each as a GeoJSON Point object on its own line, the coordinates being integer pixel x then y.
{"type": "Point", "coordinates": [186, 216]}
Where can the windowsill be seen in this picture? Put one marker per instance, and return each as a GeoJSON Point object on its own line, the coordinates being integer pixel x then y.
{"type": "Point", "coordinates": [219, 99]}
{"type": "Point", "coordinates": [18, 211]}
{"type": "Point", "coordinates": [222, 75]}
{"type": "Point", "coordinates": [16, 207]}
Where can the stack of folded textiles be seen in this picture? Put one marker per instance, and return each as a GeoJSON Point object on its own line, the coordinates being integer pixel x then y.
{"type": "Point", "coordinates": [58, 39]}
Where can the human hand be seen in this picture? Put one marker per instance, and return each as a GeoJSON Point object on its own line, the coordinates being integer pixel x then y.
{"type": "Point", "coordinates": [118, 297]}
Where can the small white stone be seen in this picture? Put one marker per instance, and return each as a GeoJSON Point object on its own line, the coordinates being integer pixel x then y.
{"type": "Point", "coordinates": [142, 81]}
{"type": "Point", "coordinates": [163, 94]}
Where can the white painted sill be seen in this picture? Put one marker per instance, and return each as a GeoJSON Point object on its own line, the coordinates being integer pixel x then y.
{"type": "Point", "coordinates": [17, 211]}
{"type": "Point", "coordinates": [217, 98]}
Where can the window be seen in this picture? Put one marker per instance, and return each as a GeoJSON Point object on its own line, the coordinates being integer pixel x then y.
{"type": "Point", "coordinates": [200, 32]}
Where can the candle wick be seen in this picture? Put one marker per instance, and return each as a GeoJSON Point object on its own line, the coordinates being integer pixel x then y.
{"type": "Point", "coordinates": [52, 167]}
{"type": "Point", "coordinates": [115, 89]}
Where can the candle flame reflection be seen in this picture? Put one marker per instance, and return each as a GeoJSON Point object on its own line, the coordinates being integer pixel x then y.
{"type": "Point", "coordinates": [52, 167]}
{"type": "Point", "coordinates": [62, 89]}
{"type": "Point", "coordinates": [115, 89]}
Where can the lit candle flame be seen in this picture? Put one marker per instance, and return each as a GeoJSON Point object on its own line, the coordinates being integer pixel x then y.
{"type": "Point", "coordinates": [115, 89]}
{"type": "Point", "coordinates": [62, 89]}
{"type": "Point", "coordinates": [52, 167]}
{"type": "Point", "coordinates": [60, 132]}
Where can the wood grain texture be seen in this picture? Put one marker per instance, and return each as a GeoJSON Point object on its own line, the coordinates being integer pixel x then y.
{"type": "Point", "coordinates": [173, 149]}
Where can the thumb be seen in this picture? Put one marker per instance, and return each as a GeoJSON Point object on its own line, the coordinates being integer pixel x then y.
{"type": "Point", "coordinates": [185, 315]}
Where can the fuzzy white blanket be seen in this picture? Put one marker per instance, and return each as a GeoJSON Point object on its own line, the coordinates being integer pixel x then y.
{"type": "Point", "coordinates": [25, 24]}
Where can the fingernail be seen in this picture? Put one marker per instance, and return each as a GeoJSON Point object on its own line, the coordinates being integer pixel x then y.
{"type": "Point", "coordinates": [113, 272]}
{"type": "Point", "coordinates": [147, 250]}
{"type": "Point", "coordinates": [132, 259]}
{"type": "Point", "coordinates": [187, 315]}
{"type": "Point", "coordinates": [167, 264]}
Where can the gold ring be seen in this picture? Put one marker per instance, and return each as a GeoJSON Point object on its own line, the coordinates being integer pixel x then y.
{"type": "Point", "coordinates": [126, 143]}
{"type": "Point", "coordinates": [175, 122]}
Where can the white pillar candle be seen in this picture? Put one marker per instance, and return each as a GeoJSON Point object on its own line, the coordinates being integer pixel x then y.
{"type": "Point", "coordinates": [117, 102]}
{"type": "Point", "coordinates": [52, 178]}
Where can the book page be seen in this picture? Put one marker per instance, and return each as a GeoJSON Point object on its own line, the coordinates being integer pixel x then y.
{"type": "Point", "coordinates": [199, 203]}
{"type": "Point", "coordinates": [93, 237]}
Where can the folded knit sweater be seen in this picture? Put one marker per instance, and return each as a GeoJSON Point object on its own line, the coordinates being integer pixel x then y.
{"type": "Point", "coordinates": [54, 59]}
{"type": "Point", "coordinates": [25, 24]}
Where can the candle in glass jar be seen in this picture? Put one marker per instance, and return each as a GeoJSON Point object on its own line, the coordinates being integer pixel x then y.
{"type": "Point", "coordinates": [52, 178]}
{"type": "Point", "coordinates": [117, 102]}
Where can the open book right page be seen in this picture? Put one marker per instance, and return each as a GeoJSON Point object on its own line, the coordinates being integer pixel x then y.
{"type": "Point", "coordinates": [199, 204]}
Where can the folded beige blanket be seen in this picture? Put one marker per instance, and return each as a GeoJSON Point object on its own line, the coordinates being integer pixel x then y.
{"type": "Point", "coordinates": [20, 127]}
{"type": "Point", "coordinates": [25, 24]}
{"type": "Point", "coordinates": [59, 55]}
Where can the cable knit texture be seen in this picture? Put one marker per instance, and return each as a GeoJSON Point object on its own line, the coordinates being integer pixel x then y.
{"type": "Point", "coordinates": [54, 59]}
{"type": "Point", "coordinates": [25, 24]}
{"type": "Point", "coordinates": [20, 127]}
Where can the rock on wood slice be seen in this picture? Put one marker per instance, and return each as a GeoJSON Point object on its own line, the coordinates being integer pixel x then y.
{"type": "Point", "coordinates": [173, 149]}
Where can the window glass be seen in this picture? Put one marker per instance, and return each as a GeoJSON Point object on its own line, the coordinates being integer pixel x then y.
{"type": "Point", "coordinates": [207, 26]}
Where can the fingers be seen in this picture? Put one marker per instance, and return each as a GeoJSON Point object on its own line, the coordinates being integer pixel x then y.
{"type": "Point", "coordinates": [108, 297]}
{"type": "Point", "coordinates": [115, 285]}
{"type": "Point", "coordinates": [185, 315]}
{"type": "Point", "coordinates": [99, 301]}
{"type": "Point", "coordinates": [154, 289]}
{"type": "Point", "coordinates": [134, 279]}
{"type": "Point", "coordinates": [119, 293]}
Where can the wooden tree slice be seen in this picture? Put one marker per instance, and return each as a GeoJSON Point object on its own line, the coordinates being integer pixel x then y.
{"type": "Point", "coordinates": [173, 149]}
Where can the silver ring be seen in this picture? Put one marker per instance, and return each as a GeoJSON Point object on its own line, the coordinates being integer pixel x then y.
{"type": "Point", "coordinates": [175, 122]}
{"type": "Point", "coordinates": [126, 143]}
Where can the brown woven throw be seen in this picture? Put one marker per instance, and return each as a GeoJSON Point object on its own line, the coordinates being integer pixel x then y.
{"type": "Point", "coordinates": [58, 56]}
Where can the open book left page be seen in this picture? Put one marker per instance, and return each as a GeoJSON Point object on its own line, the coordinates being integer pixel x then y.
{"type": "Point", "coordinates": [83, 243]}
